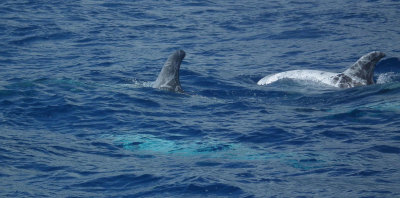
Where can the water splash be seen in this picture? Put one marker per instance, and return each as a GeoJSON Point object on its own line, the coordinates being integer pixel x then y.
{"type": "Point", "coordinates": [388, 78]}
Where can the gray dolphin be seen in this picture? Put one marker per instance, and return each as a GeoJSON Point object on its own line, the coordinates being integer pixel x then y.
{"type": "Point", "coordinates": [360, 73]}
{"type": "Point", "coordinates": [168, 79]}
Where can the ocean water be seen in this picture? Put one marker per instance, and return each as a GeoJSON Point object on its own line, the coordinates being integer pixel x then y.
{"type": "Point", "coordinates": [78, 117]}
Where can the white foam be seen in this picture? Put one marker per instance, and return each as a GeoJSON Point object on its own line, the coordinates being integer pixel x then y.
{"type": "Point", "coordinates": [387, 77]}
{"type": "Point", "coordinates": [138, 84]}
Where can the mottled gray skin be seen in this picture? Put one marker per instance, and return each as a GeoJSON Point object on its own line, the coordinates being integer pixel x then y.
{"type": "Point", "coordinates": [360, 73]}
{"type": "Point", "coordinates": [168, 79]}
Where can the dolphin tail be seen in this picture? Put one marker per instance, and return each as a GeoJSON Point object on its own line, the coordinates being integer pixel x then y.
{"type": "Point", "coordinates": [363, 69]}
{"type": "Point", "coordinates": [168, 79]}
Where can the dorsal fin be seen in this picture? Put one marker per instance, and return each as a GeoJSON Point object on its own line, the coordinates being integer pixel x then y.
{"type": "Point", "coordinates": [168, 79]}
{"type": "Point", "coordinates": [363, 69]}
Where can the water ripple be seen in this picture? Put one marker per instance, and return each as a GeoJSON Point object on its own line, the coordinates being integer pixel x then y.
{"type": "Point", "coordinates": [77, 111]}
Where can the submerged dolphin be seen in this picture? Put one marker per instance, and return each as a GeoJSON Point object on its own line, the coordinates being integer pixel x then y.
{"type": "Point", "coordinates": [360, 73]}
{"type": "Point", "coordinates": [168, 79]}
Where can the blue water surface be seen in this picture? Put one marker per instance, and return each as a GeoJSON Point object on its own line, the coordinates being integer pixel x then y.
{"type": "Point", "coordinates": [78, 117]}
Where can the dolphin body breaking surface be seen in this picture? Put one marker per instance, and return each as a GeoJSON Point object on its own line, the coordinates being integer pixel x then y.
{"type": "Point", "coordinates": [360, 73]}
{"type": "Point", "coordinates": [168, 79]}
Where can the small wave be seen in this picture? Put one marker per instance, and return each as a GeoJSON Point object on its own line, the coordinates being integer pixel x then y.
{"type": "Point", "coordinates": [117, 182]}
{"type": "Point", "coordinates": [210, 189]}
{"type": "Point", "coordinates": [42, 167]}
{"type": "Point", "coordinates": [269, 134]}
{"type": "Point", "coordinates": [386, 149]}
{"type": "Point", "coordinates": [40, 38]}
{"type": "Point", "coordinates": [366, 173]}
{"type": "Point", "coordinates": [385, 106]}
{"type": "Point", "coordinates": [300, 34]}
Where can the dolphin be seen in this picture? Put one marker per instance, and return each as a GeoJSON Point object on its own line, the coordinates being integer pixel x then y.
{"type": "Point", "coordinates": [360, 73]}
{"type": "Point", "coordinates": [168, 79]}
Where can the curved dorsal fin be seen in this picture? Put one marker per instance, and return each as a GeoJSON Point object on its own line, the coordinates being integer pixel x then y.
{"type": "Point", "coordinates": [363, 69]}
{"type": "Point", "coordinates": [168, 78]}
